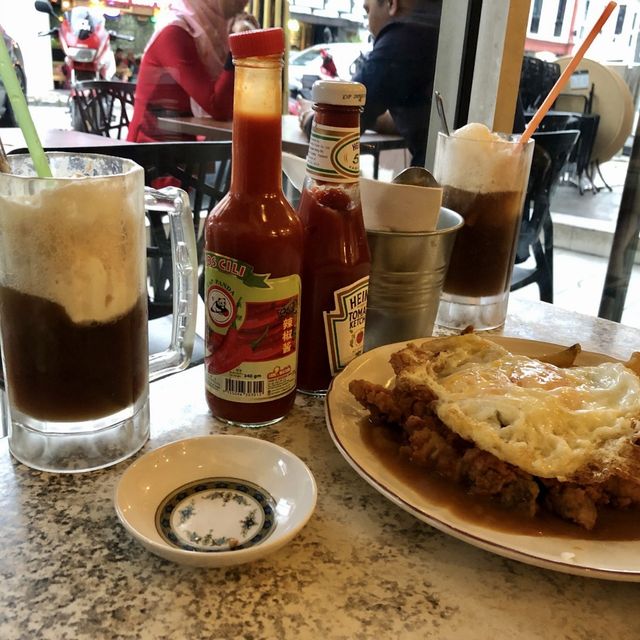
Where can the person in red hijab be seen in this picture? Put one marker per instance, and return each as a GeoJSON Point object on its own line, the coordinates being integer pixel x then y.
{"type": "Point", "coordinates": [186, 67]}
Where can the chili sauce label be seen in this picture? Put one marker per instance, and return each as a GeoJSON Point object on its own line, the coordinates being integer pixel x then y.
{"type": "Point", "coordinates": [251, 332]}
{"type": "Point", "coordinates": [334, 153]}
{"type": "Point", "coordinates": [344, 325]}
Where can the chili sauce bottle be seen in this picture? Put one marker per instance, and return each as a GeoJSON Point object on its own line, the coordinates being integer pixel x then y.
{"type": "Point", "coordinates": [335, 275]}
{"type": "Point", "coordinates": [253, 252]}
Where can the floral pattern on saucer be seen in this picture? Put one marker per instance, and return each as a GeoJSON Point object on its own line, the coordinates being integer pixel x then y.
{"type": "Point", "coordinates": [216, 514]}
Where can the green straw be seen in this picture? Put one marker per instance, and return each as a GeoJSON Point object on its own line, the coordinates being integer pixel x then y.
{"type": "Point", "coordinates": [21, 112]}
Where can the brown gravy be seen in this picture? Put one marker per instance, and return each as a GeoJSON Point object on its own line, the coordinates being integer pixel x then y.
{"type": "Point", "coordinates": [612, 524]}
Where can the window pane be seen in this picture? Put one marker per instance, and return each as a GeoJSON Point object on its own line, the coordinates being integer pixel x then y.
{"type": "Point", "coordinates": [620, 21]}
{"type": "Point", "coordinates": [535, 16]}
{"type": "Point", "coordinates": [562, 5]}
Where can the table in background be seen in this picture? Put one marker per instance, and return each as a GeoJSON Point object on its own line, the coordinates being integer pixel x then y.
{"type": "Point", "coordinates": [361, 568]}
{"type": "Point", "coordinates": [13, 139]}
{"type": "Point", "coordinates": [293, 139]}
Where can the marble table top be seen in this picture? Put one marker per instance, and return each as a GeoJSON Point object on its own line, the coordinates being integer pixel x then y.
{"type": "Point", "coordinates": [362, 567]}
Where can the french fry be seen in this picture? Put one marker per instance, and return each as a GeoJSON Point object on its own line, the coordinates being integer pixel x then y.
{"type": "Point", "coordinates": [564, 358]}
{"type": "Point", "coordinates": [634, 363]}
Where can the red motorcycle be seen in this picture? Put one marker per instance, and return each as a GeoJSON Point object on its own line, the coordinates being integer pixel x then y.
{"type": "Point", "coordinates": [85, 41]}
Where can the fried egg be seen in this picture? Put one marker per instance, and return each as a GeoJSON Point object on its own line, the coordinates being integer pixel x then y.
{"type": "Point", "coordinates": [565, 423]}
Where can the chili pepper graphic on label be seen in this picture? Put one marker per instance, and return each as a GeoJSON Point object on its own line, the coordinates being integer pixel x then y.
{"type": "Point", "coordinates": [267, 332]}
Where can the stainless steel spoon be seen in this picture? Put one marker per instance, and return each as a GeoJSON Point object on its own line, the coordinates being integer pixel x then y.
{"type": "Point", "coordinates": [441, 113]}
{"type": "Point", "coordinates": [416, 176]}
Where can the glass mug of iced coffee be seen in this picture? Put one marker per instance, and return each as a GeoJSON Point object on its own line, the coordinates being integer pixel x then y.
{"type": "Point", "coordinates": [484, 176]}
{"type": "Point", "coordinates": [73, 308]}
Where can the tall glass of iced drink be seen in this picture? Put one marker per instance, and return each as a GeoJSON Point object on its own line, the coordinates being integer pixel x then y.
{"type": "Point", "coordinates": [73, 308]}
{"type": "Point", "coordinates": [484, 176]}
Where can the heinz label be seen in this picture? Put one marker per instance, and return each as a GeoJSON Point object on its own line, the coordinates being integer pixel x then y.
{"type": "Point", "coordinates": [334, 153]}
{"type": "Point", "coordinates": [344, 325]}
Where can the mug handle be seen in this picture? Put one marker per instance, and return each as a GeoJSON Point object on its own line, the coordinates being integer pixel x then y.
{"type": "Point", "coordinates": [175, 202]}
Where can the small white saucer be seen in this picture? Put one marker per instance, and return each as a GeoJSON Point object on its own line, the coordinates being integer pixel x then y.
{"type": "Point", "coordinates": [215, 501]}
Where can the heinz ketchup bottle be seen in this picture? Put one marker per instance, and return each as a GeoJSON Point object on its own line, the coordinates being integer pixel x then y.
{"type": "Point", "coordinates": [335, 275]}
{"type": "Point", "coordinates": [253, 252]}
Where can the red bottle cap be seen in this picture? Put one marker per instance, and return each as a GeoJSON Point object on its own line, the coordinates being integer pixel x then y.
{"type": "Point", "coordinates": [262, 42]}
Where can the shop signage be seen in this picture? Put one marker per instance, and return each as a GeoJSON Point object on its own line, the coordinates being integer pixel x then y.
{"type": "Point", "coordinates": [133, 4]}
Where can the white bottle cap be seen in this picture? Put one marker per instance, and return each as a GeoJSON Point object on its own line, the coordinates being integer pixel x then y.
{"type": "Point", "coordinates": [339, 92]}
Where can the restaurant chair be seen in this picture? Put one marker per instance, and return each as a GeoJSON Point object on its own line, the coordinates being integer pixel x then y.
{"type": "Point", "coordinates": [102, 107]}
{"type": "Point", "coordinates": [537, 78]}
{"type": "Point", "coordinates": [531, 79]}
{"type": "Point", "coordinates": [583, 165]}
{"type": "Point", "coordinates": [535, 241]}
{"type": "Point", "coordinates": [581, 155]}
{"type": "Point", "coordinates": [578, 102]}
{"type": "Point", "coordinates": [203, 170]}
{"type": "Point", "coordinates": [550, 73]}
{"type": "Point", "coordinates": [559, 121]}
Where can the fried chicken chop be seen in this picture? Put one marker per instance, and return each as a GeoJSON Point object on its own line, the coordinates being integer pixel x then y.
{"type": "Point", "coordinates": [411, 408]}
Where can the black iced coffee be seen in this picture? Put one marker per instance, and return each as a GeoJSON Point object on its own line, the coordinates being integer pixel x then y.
{"type": "Point", "coordinates": [59, 370]}
{"type": "Point", "coordinates": [482, 256]}
{"type": "Point", "coordinates": [484, 176]}
{"type": "Point", "coordinates": [73, 311]}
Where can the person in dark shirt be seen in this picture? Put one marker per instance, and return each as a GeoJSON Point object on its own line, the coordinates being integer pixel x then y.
{"type": "Point", "coordinates": [398, 72]}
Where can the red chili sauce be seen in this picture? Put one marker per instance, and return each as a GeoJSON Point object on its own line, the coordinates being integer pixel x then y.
{"type": "Point", "coordinates": [254, 223]}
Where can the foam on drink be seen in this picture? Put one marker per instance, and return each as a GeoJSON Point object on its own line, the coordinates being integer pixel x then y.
{"type": "Point", "coordinates": [84, 254]}
{"type": "Point", "coordinates": [471, 168]}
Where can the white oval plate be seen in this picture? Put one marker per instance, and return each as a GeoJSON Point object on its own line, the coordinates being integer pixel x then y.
{"type": "Point", "coordinates": [610, 559]}
{"type": "Point", "coordinates": [215, 501]}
